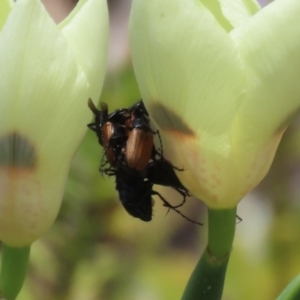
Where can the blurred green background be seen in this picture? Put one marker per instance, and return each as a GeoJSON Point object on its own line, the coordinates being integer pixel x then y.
{"type": "Point", "coordinates": [96, 251]}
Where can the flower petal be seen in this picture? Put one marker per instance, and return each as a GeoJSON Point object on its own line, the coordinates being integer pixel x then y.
{"type": "Point", "coordinates": [87, 33]}
{"type": "Point", "coordinates": [43, 116]}
{"type": "Point", "coordinates": [5, 8]}
{"type": "Point", "coordinates": [238, 12]}
{"type": "Point", "coordinates": [177, 60]}
{"type": "Point", "coordinates": [191, 80]}
{"type": "Point", "coordinates": [69, 18]}
{"type": "Point", "coordinates": [269, 47]}
{"type": "Point", "coordinates": [213, 6]}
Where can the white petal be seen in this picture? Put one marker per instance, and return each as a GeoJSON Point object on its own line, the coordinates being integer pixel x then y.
{"type": "Point", "coordinates": [87, 33]}
{"type": "Point", "coordinates": [185, 60]}
{"type": "Point", "coordinates": [5, 8]}
{"type": "Point", "coordinates": [269, 47]}
{"type": "Point", "coordinates": [43, 113]}
{"type": "Point", "coordinates": [238, 12]}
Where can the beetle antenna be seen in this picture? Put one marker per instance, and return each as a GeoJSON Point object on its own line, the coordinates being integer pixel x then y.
{"type": "Point", "coordinates": [167, 204]}
{"type": "Point", "coordinates": [104, 107]}
{"type": "Point", "coordinates": [92, 107]}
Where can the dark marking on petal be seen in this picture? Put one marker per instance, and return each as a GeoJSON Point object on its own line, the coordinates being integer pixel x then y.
{"type": "Point", "coordinates": [167, 119]}
{"type": "Point", "coordinates": [16, 151]}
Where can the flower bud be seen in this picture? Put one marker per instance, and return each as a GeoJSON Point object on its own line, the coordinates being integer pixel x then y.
{"type": "Point", "coordinates": [47, 72]}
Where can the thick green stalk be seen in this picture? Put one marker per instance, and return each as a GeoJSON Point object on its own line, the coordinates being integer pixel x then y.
{"type": "Point", "coordinates": [207, 279]}
{"type": "Point", "coordinates": [292, 291]}
{"type": "Point", "coordinates": [13, 270]}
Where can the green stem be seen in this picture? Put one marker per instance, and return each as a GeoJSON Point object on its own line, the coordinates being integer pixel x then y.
{"type": "Point", "coordinates": [207, 279]}
{"type": "Point", "coordinates": [13, 270]}
{"type": "Point", "coordinates": [292, 291]}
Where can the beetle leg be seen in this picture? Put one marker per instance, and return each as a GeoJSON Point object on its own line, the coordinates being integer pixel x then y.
{"type": "Point", "coordinates": [178, 169]}
{"type": "Point", "coordinates": [183, 194]}
{"type": "Point", "coordinates": [167, 204]}
{"type": "Point", "coordinates": [161, 150]}
{"type": "Point", "coordinates": [92, 126]}
{"type": "Point", "coordinates": [239, 219]}
{"type": "Point", "coordinates": [158, 155]}
{"type": "Point", "coordinates": [103, 162]}
{"type": "Point", "coordinates": [102, 170]}
{"type": "Point", "coordinates": [179, 205]}
{"type": "Point", "coordinates": [108, 171]}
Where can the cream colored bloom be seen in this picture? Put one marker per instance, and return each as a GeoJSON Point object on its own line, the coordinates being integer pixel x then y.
{"type": "Point", "coordinates": [221, 81]}
{"type": "Point", "coordinates": [47, 73]}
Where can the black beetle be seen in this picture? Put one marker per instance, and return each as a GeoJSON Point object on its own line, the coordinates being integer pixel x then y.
{"type": "Point", "coordinates": [135, 195]}
{"type": "Point", "coordinates": [136, 188]}
{"type": "Point", "coordinates": [127, 139]}
{"type": "Point", "coordinates": [110, 129]}
{"type": "Point", "coordinates": [136, 191]}
{"type": "Point", "coordinates": [140, 145]}
{"type": "Point", "coordinates": [140, 141]}
{"type": "Point", "coordinates": [124, 134]}
{"type": "Point", "coordinates": [161, 172]}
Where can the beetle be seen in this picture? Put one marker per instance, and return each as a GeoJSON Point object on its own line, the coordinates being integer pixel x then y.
{"type": "Point", "coordinates": [127, 139]}
{"type": "Point", "coordinates": [100, 119]}
{"type": "Point", "coordinates": [140, 144]}
{"type": "Point", "coordinates": [135, 188]}
{"type": "Point", "coordinates": [135, 193]}
{"type": "Point", "coordinates": [109, 129]}
{"type": "Point", "coordinates": [161, 172]}
{"type": "Point", "coordinates": [124, 127]}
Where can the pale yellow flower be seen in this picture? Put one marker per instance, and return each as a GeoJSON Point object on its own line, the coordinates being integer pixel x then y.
{"type": "Point", "coordinates": [47, 73]}
{"type": "Point", "coordinates": [221, 81]}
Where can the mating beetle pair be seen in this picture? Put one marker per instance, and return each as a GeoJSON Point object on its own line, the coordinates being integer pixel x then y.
{"type": "Point", "coordinates": [128, 143]}
{"type": "Point", "coordinates": [124, 134]}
